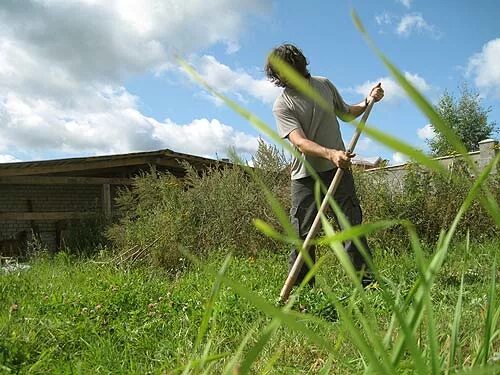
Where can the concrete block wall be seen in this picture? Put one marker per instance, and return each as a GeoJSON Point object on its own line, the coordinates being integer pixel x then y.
{"type": "Point", "coordinates": [488, 150]}
{"type": "Point", "coordinates": [59, 198]}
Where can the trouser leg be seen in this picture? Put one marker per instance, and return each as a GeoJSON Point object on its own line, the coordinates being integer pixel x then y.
{"type": "Point", "coordinates": [302, 214]}
{"type": "Point", "coordinates": [304, 210]}
{"type": "Point", "coordinates": [346, 198]}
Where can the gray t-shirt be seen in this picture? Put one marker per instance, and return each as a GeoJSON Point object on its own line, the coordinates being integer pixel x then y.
{"type": "Point", "coordinates": [293, 110]}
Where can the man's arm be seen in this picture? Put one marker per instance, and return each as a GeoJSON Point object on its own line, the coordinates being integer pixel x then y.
{"type": "Point", "coordinates": [339, 158]}
{"type": "Point", "coordinates": [377, 92]}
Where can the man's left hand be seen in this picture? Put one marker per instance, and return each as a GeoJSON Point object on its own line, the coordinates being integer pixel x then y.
{"type": "Point", "coordinates": [377, 92]}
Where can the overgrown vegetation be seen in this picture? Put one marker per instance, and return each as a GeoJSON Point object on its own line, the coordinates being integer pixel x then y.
{"type": "Point", "coordinates": [202, 213]}
{"type": "Point", "coordinates": [70, 316]}
{"type": "Point", "coordinates": [427, 199]}
{"type": "Point", "coordinates": [214, 210]}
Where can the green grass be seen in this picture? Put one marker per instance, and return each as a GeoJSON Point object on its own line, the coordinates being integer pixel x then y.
{"type": "Point", "coordinates": [435, 312]}
{"type": "Point", "coordinates": [83, 317]}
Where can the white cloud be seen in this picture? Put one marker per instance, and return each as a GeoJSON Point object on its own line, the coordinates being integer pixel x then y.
{"type": "Point", "coordinates": [107, 39]}
{"type": "Point", "coordinates": [415, 22]}
{"type": "Point", "coordinates": [393, 92]}
{"type": "Point", "coordinates": [406, 3]}
{"type": "Point", "coordinates": [398, 158]}
{"type": "Point", "coordinates": [427, 132]}
{"type": "Point", "coordinates": [384, 18]}
{"type": "Point", "coordinates": [62, 65]}
{"type": "Point", "coordinates": [485, 68]}
{"type": "Point", "coordinates": [365, 144]}
{"type": "Point", "coordinates": [38, 125]}
{"type": "Point", "coordinates": [5, 158]}
{"type": "Point", "coordinates": [222, 78]}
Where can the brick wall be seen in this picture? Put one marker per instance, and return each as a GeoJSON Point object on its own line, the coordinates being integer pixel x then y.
{"type": "Point", "coordinates": [60, 198]}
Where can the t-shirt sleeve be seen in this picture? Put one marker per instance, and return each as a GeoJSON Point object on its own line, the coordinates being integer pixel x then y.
{"type": "Point", "coordinates": [338, 102]}
{"type": "Point", "coordinates": [286, 121]}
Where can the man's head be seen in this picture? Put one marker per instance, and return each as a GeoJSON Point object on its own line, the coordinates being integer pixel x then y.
{"type": "Point", "coordinates": [293, 57]}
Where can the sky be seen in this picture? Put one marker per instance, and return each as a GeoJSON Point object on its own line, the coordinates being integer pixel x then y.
{"type": "Point", "coordinates": [98, 77]}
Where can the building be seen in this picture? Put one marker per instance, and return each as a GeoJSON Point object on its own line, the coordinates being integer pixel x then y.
{"type": "Point", "coordinates": [43, 196]}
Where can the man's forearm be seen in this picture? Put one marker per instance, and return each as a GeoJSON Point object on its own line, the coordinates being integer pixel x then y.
{"type": "Point", "coordinates": [311, 148]}
{"type": "Point", "coordinates": [338, 158]}
{"type": "Point", "coordinates": [357, 109]}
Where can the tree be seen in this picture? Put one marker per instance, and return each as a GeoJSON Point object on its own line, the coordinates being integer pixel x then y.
{"type": "Point", "coordinates": [468, 119]}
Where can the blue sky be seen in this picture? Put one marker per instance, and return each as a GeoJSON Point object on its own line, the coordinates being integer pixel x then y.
{"type": "Point", "coordinates": [93, 77]}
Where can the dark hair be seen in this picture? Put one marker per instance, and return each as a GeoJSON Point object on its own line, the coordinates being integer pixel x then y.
{"type": "Point", "coordinates": [290, 54]}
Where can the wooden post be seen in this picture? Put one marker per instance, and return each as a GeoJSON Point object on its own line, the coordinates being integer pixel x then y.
{"type": "Point", "coordinates": [106, 201]}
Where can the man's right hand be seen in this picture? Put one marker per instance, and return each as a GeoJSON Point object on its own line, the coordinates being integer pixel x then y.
{"type": "Point", "coordinates": [341, 159]}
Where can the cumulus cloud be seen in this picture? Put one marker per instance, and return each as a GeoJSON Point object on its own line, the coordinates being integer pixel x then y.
{"type": "Point", "coordinates": [5, 158]}
{"type": "Point", "coordinates": [484, 67]}
{"type": "Point", "coordinates": [239, 83]}
{"type": "Point", "coordinates": [62, 65]}
{"type": "Point", "coordinates": [426, 132]}
{"type": "Point", "coordinates": [393, 92]}
{"type": "Point", "coordinates": [415, 22]}
{"type": "Point", "coordinates": [103, 40]}
{"type": "Point", "coordinates": [398, 158]}
{"type": "Point", "coordinates": [406, 24]}
{"type": "Point", "coordinates": [117, 127]}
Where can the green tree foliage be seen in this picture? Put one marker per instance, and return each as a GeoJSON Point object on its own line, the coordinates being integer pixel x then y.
{"type": "Point", "coordinates": [467, 117]}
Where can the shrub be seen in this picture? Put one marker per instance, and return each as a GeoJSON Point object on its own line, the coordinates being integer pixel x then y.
{"type": "Point", "coordinates": [427, 199]}
{"type": "Point", "coordinates": [204, 212]}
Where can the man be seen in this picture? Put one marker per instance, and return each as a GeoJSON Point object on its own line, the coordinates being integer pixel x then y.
{"type": "Point", "coordinates": [315, 133]}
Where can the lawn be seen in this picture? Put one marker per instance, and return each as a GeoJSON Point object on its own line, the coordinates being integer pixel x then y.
{"type": "Point", "coordinates": [65, 315]}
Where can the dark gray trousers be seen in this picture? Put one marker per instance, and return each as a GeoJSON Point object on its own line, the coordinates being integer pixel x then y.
{"type": "Point", "coordinates": [304, 210]}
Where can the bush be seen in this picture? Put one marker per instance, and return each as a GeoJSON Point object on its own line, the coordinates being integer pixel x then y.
{"type": "Point", "coordinates": [427, 199]}
{"type": "Point", "coordinates": [204, 212]}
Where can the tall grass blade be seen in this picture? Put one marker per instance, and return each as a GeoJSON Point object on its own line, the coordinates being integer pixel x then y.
{"type": "Point", "coordinates": [416, 96]}
{"type": "Point", "coordinates": [269, 369]}
{"type": "Point", "coordinates": [489, 323]}
{"type": "Point", "coordinates": [486, 370]}
{"type": "Point", "coordinates": [255, 351]}
{"type": "Point", "coordinates": [211, 301]}
{"type": "Point", "coordinates": [415, 315]}
{"type": "Point", "coordinates": [232, 365]}
{"type": "Point", "coordinates": [489, 202]}
{"type": "Point", "coordinates": [455, 329]}
{"type": "Point", "coordinates": [412, 320]}
{"type": "Point", "coordinates": [195, 363]}
{"type": "Point", "coordinates": [290, 319]}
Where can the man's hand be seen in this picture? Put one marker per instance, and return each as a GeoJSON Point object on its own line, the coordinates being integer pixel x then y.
{"type": "Point", "coordinates": [341, 159]}
{"type": "Point", "coordinates": [377, 92]}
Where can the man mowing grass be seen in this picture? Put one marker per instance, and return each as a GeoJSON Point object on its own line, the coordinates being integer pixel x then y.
{"type": "Point", "coordinates": [316, 134]}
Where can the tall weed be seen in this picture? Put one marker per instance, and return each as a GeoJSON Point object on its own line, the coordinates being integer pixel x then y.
{"type": "Point", "coordinates": [429, 200]}
{"type": "Point", "coordinates": [202, 213]}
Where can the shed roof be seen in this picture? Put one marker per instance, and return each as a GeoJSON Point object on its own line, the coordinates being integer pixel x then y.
{"type": "Point", "coordinates": [120, 165]}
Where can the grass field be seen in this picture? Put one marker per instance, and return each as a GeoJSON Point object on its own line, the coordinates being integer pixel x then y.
{"type": "Point", "coordinates": [72, 316]}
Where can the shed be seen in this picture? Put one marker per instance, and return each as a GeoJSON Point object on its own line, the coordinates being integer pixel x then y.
{"type": "Point", "coordinates": [41, 196]}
